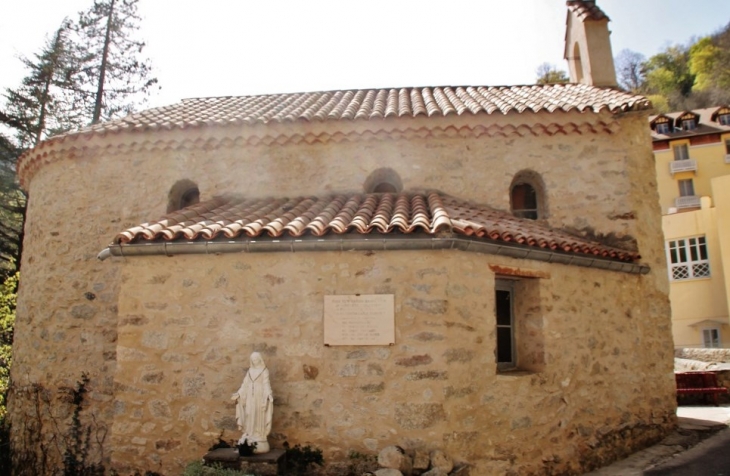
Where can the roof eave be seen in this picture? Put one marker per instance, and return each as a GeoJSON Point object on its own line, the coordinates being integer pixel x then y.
{"type": "Point", "coordinates": [371, 243]}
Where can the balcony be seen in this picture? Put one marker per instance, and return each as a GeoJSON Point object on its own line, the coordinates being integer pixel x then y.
{"type": "Point", "coordinates": [688, 165]}
{"type": "Point", "coordinates": [689, 201]}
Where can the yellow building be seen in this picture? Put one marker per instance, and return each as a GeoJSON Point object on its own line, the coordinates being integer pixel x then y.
{"type": "Point", "coordinates": [692, 158]}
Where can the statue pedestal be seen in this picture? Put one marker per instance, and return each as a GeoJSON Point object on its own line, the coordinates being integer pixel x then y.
{"type": "Point", "coordinates": [265, 464]}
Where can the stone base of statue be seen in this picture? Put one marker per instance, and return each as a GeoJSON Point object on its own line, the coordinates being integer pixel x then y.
{"type": "Point", "coordinates": [266, 464]}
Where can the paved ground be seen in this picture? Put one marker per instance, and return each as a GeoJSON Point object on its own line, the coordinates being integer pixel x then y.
{"type": "Point", "coordinates": [680, 454]}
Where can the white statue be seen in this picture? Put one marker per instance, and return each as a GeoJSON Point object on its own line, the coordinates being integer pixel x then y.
{"type": "Point", "coordinates": [255, 405]}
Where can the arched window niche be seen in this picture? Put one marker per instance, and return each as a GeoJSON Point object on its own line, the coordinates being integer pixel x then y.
{"type": "Point", "coordinates": [183, 193]}
{"type": "Point", "coordinates": [383, 180]}
{"type": "Point", "coordinates": [527, 196]}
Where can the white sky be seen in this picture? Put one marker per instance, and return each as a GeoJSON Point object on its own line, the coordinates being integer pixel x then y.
{"type": "Point", "coordinates": [241, 47]}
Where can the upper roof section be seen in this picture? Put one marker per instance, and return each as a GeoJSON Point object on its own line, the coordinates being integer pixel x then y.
{"type": "Point", "coordinates": [684, 124]}
{"type": "Point", "coordinates": [586, 10]}
{"type": "Point", "coordinates": [372, 104]}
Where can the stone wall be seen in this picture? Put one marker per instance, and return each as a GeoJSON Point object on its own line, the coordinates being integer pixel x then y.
{"type": "Point", "coordinates": [703, 355]}
{"type": "Point", "coordinates": [598, 177]}
{"type": "Point", "coordinates": [187, 325]}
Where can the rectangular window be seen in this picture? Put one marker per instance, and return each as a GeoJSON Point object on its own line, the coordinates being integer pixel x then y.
{"type": "Point", "coordinates": [711, 338]}
{"type": "Point", "coordinates": [689, 124]}
{"type": "Point", "coordinates": [687, 258]}
{"type": "Point", "coordinates": [686, 188]}
{"type": "Point", "coordinates": [681, 152]}
{"type": "Point", "coordinates": [727, 146]}
{"type": "Point", "coordinates": [504, 292]}
{"type": "Point", "coordinates": [662, 128]}
{"type": "Point", "coordinates": [724, 119]}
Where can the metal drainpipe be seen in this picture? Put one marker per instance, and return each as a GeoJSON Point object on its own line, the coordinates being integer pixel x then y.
{"type": "Point", "coordinates": [336, 243]}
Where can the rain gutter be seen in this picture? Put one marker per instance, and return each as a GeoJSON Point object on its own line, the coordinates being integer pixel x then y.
{"type": "Point", "coordinates": [369, 243]}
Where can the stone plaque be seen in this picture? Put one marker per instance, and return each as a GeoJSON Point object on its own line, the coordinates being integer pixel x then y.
{"type": "Point", "coordinates": [359, 319]}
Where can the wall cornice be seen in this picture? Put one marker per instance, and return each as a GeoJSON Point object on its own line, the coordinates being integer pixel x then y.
{"type": "Point", "coordinates": [112, 143]}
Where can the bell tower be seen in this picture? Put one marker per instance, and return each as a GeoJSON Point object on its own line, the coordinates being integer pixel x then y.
{"type": "Point", "coordinates": [588, 44]}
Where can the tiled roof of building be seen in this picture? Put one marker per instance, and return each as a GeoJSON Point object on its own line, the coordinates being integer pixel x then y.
{"type": "Point", "coordinates": [707, 123]}
{"type": "Point", "coordinates": [372, 104]}
{"type": "Point", "coordinates": [232, 217]}
{"type": "Point", "coordinates": [586, 10]}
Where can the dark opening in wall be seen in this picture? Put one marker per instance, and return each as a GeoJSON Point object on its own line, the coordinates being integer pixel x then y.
{"type": "Point", "coordinates": [183, 193]}
{"type": "Point", "coordinates": [383, 180]}
{"type": "Point", "coordinates": [527, 195]}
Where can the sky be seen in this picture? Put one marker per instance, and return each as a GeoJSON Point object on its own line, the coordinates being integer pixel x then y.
{"type": "Point", "coordinates": [244, 47]}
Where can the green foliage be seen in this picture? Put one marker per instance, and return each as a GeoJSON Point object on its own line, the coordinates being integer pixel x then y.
{"type": "Point", "coordinates": [361, 463]}
{"type": "Point", "coordinates": [8, 295]}
{"type": "Point", "coordinates": [12, 209]}
{"type": "Point", "coordinates": [196, 468]}
{"type": "Point", "coordinates": [299, 460]}
{"type": "Point", "coordinates": [549, 74]}
{"type": "Point", "coordinates": [42, 105]}
{"type": "Point", "coordinates": [687, 77]}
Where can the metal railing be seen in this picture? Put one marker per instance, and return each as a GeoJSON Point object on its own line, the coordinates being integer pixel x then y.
{"type": "Point", "coordinates": [688, 165]}
{"type": "Point", "coordinates": [689, 201]}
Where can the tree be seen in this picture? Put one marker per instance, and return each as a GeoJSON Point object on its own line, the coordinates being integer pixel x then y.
{"type": "Point", "coordinates": [630, 70]}
{"type": "Point", "coordinates": [8, 295]}
{"type": "Point", "coordinates": [113, 76]}
{"type": "Point", "coordinates": [550, 74]}
{"type": "Point", "coordinates": [42, 106]}
{"type": "Point", "coordinates": [12, 210]}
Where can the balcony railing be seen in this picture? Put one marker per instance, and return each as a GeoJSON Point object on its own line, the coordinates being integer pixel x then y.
{"type": "Point", "coordinates": [689, 201]}
{"type": "Point", "coordinates": [688, 165]}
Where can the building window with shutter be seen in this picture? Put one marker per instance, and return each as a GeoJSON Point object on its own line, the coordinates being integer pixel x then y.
{"type": "Point", "coordinates": [711, 338]}
{"type": "Point", "coordinates": [687, 258]}
{"type": "Point", "coordinates": [681, 152]}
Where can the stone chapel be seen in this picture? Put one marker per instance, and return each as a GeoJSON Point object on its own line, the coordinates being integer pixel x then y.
{"type": "Point", "coordinates": [516, 229]}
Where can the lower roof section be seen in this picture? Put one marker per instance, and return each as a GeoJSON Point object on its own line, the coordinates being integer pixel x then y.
{"type": "Point", "coordinates": [356, 242]}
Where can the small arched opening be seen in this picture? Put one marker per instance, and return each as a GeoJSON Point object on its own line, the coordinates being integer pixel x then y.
{"type": "Point", "coordinates": [578, 63]}
{"type": "Point", "coordinates": [183, 194]}
{"type": "Point", "coordinates": [383, 180]}
{"type": "Point", "coordinates": [527, 196]}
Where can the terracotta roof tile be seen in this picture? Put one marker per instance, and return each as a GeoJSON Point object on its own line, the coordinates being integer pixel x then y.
{"type": "Point", "coordinates": [586, 10]}
{"type": "Point", "coordinates": [371, 104]}
{"type": "Point", "coordinates": [230, 217]}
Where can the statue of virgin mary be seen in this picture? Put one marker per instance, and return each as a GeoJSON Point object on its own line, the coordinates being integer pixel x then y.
{"type": "Point", "coordinates": [255, 405]}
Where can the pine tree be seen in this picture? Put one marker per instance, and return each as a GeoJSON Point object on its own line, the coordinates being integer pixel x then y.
{"type": "Point", "coordinates": [114, 77]}
{"type": "Point", "coordinates": [12, 209]}
{"type": "Point", "coordinates": [42, 105]}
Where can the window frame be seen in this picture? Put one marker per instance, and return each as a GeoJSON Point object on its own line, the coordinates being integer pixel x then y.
{"type": "Point", "coordinates": [684, 155]}
{"type": "Point", "coordinates": [662, 128]}
{"type": "Point", "coordinates": [689, 124]}
{"type": "Point", "coordinates": [714, 344]}
{"type": "Point", "coordinates": [686, 185]}
{"type": "Point", "coordinates": [685, 259]}
{"type": "Point", "coordinates": [503, 285]}
{"type": "Point", "coordinates": [533, 180]}
{"type": "Point", "coordinates": [529, 194]}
